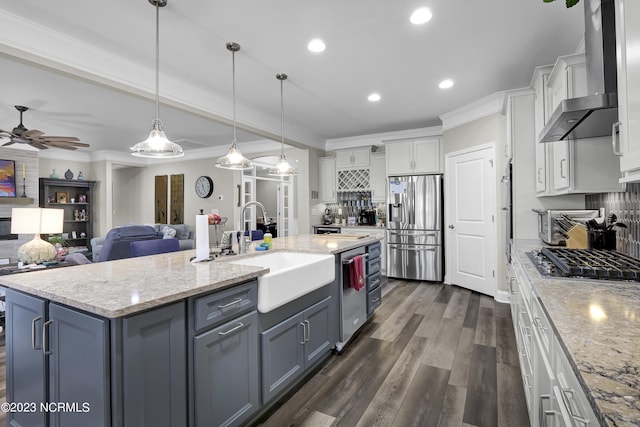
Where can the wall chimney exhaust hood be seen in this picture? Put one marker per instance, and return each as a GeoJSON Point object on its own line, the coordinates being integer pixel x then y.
{"type": "Point", "coordinates": [593, 115]}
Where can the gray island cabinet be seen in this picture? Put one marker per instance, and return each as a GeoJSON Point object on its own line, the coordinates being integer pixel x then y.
{"type": "Point", "coordinates": [178, 344]}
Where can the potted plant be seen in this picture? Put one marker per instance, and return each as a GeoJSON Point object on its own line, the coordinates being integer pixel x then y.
{"type": "Point", "coordinates": [570, 3]}
{"type": "Point", "coordinates": [60, 243]}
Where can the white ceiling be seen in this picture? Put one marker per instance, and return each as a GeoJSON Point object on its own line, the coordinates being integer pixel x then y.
{"type": "Point", "coordinates": [86, 68]}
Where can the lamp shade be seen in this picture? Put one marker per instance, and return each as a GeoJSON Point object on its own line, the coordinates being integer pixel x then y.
{"type": "Point", "coordinates": [36, 220]}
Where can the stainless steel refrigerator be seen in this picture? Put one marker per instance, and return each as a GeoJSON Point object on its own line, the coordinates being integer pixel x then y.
{"type": "Point", "coordinates": [414, 227]}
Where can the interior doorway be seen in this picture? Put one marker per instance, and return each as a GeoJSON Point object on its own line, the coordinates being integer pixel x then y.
{"type": "Point", "coordinates": [471, 219]}
{"type": "Point", "coordinates": [275, 193]}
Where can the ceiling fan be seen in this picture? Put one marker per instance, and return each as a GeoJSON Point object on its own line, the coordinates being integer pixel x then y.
{"type": "Point", "coordinates": [21, 135]}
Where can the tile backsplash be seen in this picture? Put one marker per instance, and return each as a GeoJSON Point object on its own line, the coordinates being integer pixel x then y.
{"type": "Point", "coordinates": [626, 206]}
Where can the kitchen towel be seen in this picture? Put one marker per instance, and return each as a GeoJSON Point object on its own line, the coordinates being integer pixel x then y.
{"type": "Point", "coordinates": [202, 238]}
{"type": "Point", "coordinates": [356, 272]}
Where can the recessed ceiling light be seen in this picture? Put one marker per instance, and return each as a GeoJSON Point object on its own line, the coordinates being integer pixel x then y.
{"type": "Point", "coordinates": [316, 45]}
{"type": "Point", "coordinates": [421, 16]}
{"type": "Point", "coordinates": [374, 97]}
{"type": "Point", "coordinates": [446, 84]}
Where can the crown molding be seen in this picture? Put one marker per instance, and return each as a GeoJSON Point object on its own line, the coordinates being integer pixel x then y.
{"type": "Point", "coordinates": [380, 138]}
{"type": "Point", "coordinates": [476, 110]}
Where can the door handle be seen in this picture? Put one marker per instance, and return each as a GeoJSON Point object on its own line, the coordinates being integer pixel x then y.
{"type": "Point", "coordinates": [45, 339]}
{"type": "Point", "coordinates": [33, 333]}
{"type": "Point", "coordinates": [539, 175]}
{"type": "Point", "coordinates": [304, 333]}
{"type": "Point", "coordinates": [308, 337]}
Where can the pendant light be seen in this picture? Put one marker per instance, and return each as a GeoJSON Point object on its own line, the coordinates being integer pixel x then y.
{"type": "Point", "coordinates": [283, 168]}
{"type": "Point", "coordinates": [157, 145]}
{"type": "Point", "coordinates": [234, 158]}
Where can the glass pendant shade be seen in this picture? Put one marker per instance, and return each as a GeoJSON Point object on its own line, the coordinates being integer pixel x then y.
{"type": "Point", "coordinates": [283, 168]}
{"type": "Point", "coordinates": [157, 145]}
{"type": "Point", "coordinates": [234, 159]}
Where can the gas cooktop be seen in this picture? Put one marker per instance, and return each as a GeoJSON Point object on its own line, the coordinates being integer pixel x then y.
{"type": "Point", "coordinates": [586, 263]}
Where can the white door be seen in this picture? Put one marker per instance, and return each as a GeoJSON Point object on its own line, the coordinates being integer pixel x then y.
{"type": "Point", "coordinates": [285, 208]}
{"type": "Point", "coordinates": [248, 195]}
{"type": "Point", "coordinates": [471, 231]}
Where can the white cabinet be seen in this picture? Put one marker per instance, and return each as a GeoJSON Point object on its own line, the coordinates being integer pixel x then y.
{"type": "Point", "coordinates": [353, 158]}
{"type": "Point", "coordinates": [378, 177]}
{"type": "Point", "coordinates": [627, 40]}
{"type": "Point", "coordinates": [554, 395]}
{"type": "Point", "coordinates": [409, 157]}
{"type": "Point", "coordinates": [327, 180]}
{"type": "Point", "coordinates": [542, 109]}
{"type": "Point", "coordinates": [569, 166]}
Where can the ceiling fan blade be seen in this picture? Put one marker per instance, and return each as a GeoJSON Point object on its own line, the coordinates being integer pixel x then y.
{"type": "Point", "coordinates": [6, 132]}
{"type": "Point", "coordinates": [8, 143]}
{"type": "Point", "coordinates": [38, 145]}
{"type": "Point", "coordinates": [32, 134]}
{"type": "Point", "coordinates": [64, 146]}
{"type": "Point", "coordinates": [58, 138]}
{"type": "Point", "coordinates": [63, 142]}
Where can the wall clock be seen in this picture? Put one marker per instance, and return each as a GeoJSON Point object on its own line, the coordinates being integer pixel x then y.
{"type": "Point", "coordinates": [204, 186]}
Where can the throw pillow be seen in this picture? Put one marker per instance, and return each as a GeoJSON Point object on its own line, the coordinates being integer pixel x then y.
{"type": "Point", "coordinates": [168, 232]}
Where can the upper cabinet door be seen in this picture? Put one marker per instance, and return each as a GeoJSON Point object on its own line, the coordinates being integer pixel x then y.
{"type": "Point", "coordinates": [353, 158]}
{"type": "Point", "coordinates": [627, 40]}
{"type": "Point", "coordinates": [328, 180]}
{"type": "Point", "coordinates": [378, 178]}
{"type": "Point", "coordinates": [426, 156]}
{"type": "Point", "coordinates": [409, 157]}
{"type": "Point", "coordinates": [399, 157]}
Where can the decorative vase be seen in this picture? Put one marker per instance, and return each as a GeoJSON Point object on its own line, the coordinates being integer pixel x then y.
{"type": "Point", "coordinates": [53, 175]}
{"type": "Point", "coordinates": [80, 176]}
{"type": "Point", "coordinates": [68, 174]}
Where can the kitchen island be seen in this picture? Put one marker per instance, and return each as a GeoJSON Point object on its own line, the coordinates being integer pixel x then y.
{"type": "Point", "coordinates": [596, 327]}
{"type": "Point", "coordinates": [130, 342]}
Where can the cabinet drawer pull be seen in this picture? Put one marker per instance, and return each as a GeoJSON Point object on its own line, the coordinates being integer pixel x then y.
{"type": "Point", "coordinates": [567, 397]}
{"type": "Point", "coordinates": [235, 328]}
{"type": "Point", "coordinates": [308, 337]}
{"type": "Point", "coordinates": [538, 322]}
{"type": "Point", "coordinates": [375, 300]}
{"type": "Point", "coordinates": [33, 333]}
{"type": "Point", "coordinates": [542, 411]}
{"type": "Point", "coordinates": [235, 301]}
{"type": "Point", "coordinates": [45, 339]}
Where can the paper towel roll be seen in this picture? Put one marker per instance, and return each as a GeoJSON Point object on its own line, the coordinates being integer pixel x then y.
{"type": "Point", "coordinates": [202, 237]}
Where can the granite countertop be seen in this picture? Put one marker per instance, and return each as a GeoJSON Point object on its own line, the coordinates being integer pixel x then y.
{"type": "Point", "coordinates": [123, 287]}
{"type": "Point", "coordinates": [358, 227]}
{"type": "Point", "coordinates": [597, 323]}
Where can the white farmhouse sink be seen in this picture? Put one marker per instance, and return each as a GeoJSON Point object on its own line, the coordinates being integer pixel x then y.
{"type": "Point", "coordinates": [291, 275]}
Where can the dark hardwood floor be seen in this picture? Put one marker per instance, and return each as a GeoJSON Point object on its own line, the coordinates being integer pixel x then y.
{"type": "Point", "coordinates": [433, 355]}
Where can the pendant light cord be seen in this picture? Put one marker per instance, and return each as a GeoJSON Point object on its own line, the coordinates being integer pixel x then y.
{"type": "Point", "coordinates": [282, 117]}
{"type": "Point", "coordinates": [157, 61]}
{"type": "Point", "coordinates": [233, 85]}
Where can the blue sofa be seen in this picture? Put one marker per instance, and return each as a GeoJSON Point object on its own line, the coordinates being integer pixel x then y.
{"type": "Point", "coordinates": [183, 233]}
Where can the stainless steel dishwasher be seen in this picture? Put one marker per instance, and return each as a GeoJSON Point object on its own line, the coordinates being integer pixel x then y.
{"type": "Point", "coordinates": [353, 304]}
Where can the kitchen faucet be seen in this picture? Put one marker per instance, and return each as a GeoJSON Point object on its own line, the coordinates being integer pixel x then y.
{"type": "Point", "coordinates": [265, 220]}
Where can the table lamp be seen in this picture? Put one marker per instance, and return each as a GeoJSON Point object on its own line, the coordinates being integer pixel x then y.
{"type": "Point", "coordinates": [36, 220]}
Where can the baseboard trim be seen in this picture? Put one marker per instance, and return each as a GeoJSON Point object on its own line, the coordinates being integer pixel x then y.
{"type": "Point", "coordinates": [502, 296]}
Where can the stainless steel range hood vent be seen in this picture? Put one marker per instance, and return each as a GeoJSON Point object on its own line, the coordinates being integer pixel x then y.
{"type": "Point", "coordinates": [593, 115]}
{"type": "Point", "coordinates": [585, 117]}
